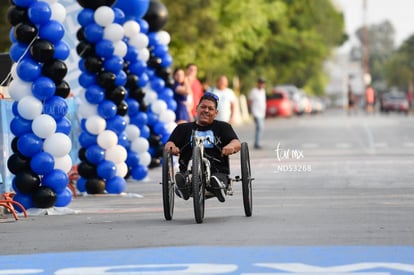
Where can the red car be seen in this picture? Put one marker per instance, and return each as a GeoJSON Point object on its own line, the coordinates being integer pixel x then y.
{"type": "Point", "coordinates": [394, 102]}
{"type": "Point", "coordinates": [279, 104]}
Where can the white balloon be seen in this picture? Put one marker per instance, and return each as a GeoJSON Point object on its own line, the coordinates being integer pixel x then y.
{"type": "Point", "coordinates": [63, 163]}
{"type": "Point", "coordinates": [107, 139]}
{"type": "Point", "coordinates": [131, 28]}
{"type": "Point", "coordinates": [19, 89]}
{"type": "Point", "coordinates": [167, 116]}
{"type": "Point", "coordinates": [144, 54]}
{"type": "Point", "coordinates": [49, 1]}
{"type": "Point", "coordinates": [159, 106]}
{"type": "Point", "coordinates": [120, 48]}
{"type": "Point", "coordinates": [29, 107]}
{"type": "Point", "coordinates": [104, 16]}
{"type": "Point", "coordinates": [150, 97]}
{"type": "Point", "coordinates": [170, 126]}
{"type": "Point", "coordinates": [132, 132]}
{"type": "Point", "coordinates": [116, 154]}
{"type": "Point", "coordinates": [95, 124]}
{"type": "Point", "coordinates": [114, 32]}
{"type": "Point", "coordinates": [13, 71]}
{"type": "Point", "coordinates": [163, 37]}
{"type": "Point", "coordinates": [86, 109]}
{"type": "Point", "coordinates": [140, 145]}
{"type": "Point", "coordinates": [58, 145]}
{"type": "Point", "coordinates": [58, 12]}
{"type": "Point", "coordinates": [145, 158]}
{"type": "Point", "coordinates": [121, 169]}
{"type": "Point", "coordinates": [44, 126]}
{"type": "Point", "coordinates": [139, 40]}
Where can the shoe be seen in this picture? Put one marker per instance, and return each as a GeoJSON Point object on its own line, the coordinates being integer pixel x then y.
{"type": "Point", "coordinates": [218, 188]}
{"type": "Point", "coordinates": [182, 190]}
{"type": "Point", "coordinates": [257, 147]}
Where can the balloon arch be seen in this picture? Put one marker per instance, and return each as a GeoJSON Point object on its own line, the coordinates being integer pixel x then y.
{"type": "Point", "coordinates": [125, 103]}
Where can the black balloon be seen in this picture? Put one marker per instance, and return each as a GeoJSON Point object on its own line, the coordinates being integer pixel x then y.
{"type": "Point", "coordinates": [156, 15]}
{"type": "Point", "coordinates": [95, 186]}
{"type": "Point", "coordinates": [137, 94]}
{"type": "Point", "coordinates": [80, 34]}
{"type": "Point", "coordinates": [94, 4]}
{"type": "Point", "coordinates": [42, 50]}
{"type": "Point", "coordinates": [155, 162]}
{"type": "Point", "coordinates": [86, 170]}
{"type": "Point", "coordinates": [26, 182]}
{"type": "Point", "coordinates": [62, 89]}
{"type": "Point", "coordinates": [85, 49]}
{"type": "Point", "coordinates": [18, 163]}
{"type": "Point", "coordinates": [25, 33]}
{"type": "Point", "coordinates": [122, 108]}
{"type": "Point", "coordinates": [117, 95]}
{"type": "Point", "coordinates": [55, 70]}
{"type": "Point", "coordinates": [82, 154]}
{"type": "Point", "coordinates": [154, 140]}
{"type": "Point", "coordinates": [16, 15]}
{"type": "Point", "coordinates": [93, 64]}
{"type": "Point", "coordinates": [107, 80]}
{"type": "Point", "coordinates": [44, 197]}
{"type": "Point", "coordinates": [132, 81]}
{"type": "Point", "coordinates": [14, 145]}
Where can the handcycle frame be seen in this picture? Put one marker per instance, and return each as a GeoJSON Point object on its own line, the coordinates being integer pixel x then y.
{"type": "Point", "coordinates": [200, 174]}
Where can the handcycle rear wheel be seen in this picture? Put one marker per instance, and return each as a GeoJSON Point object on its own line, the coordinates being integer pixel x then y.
{"type": "Point", "coordinates": [198, 184]}
{"type": "Point", "coordinates": [168, 185]}
{"type": "Point", "coordinates": [246, 179]}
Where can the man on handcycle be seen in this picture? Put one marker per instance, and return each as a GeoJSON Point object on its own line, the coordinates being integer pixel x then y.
{"type": "Point", "coordinates": [221, 141]}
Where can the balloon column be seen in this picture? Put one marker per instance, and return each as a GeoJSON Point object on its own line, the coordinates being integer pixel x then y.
{"type": "Point", "coordinates": [41, 146]}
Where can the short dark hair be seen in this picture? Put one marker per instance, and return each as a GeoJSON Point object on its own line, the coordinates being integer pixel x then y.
{"type": "Point", "coordinates": [211, 97]}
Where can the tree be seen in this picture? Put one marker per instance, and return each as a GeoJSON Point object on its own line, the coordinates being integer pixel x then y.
{"type": "Point", "coordinates": [4, 27]}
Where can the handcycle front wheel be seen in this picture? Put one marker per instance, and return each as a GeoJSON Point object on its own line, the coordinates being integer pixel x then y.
{"type": "Point", "coordinates": [246, 179]}
{"type": "Point", "coordinates": [168, 185]}
{"type": "Point", "coordinates": [198, 185]}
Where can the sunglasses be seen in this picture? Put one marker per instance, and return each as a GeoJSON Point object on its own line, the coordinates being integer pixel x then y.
{"type": "Point", "coordinates": [210, 95]}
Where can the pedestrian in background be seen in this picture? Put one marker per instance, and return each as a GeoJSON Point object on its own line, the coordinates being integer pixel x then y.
{"type": "Point", "coordinates": [196, 88]}
{"type": "Point", "coordinates": [257, 103]}
{"type": "Point", "coordinates": [227, 100]}
{"type": "Point", "coordinates": [182, 89]}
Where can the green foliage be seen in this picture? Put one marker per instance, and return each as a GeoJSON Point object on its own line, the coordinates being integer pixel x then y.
{"type": "Point", "coordinates": [4, 27]}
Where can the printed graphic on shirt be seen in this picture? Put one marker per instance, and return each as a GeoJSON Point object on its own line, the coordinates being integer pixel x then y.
{"type": "Point", "coordinates": [209, 138]}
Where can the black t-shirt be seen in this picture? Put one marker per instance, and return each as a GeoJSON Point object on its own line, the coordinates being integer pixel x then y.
{"type": "Point", "coordinates": [220, 134]}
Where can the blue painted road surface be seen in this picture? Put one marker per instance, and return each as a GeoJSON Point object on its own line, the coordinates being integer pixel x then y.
{"type": "Point", "coordinates": [356, 260]}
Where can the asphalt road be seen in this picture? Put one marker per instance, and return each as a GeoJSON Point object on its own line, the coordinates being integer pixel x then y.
{"type": "Point", "coordinates": [324, 180]}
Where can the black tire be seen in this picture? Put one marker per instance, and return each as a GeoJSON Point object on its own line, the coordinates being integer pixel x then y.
{"type": "Point", "coordinates": [198, 184]}
{"type": "Point", "coordinates": [246, 179]}
{"type": "Point", "coordinates": [168, 185]}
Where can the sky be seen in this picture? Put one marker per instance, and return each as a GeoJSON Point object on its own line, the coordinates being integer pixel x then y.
{"type": "Point", "coordinates": [398, 12]}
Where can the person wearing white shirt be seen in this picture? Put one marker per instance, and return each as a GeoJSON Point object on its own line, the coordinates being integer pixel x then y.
{"type": "Point", "coordinates": [227, 100]}
{"type": "Point", "coordinates": [257, 103]}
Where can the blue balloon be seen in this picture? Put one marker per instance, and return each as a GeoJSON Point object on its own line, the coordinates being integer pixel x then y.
{"type": "Point", "coordinates": [24, 199]}
{"type": "Point", "coordinates": [95, 154]}
{"type": "Point", "coordinates": [166, 60]}
{"type": "Point", "coordinates": [138, 67]}
{"type": "Point", "coordinates": [106, 169]}
{"type": "Point", "coordinates": [132, 54]}
{"type": "Point", "coordinates": [12, 37]}
{"type": "Point", "coordinates": [55, 106]}
{"type": "Point", "coordinates": [86, 17]}
{"type": "Point", "coordinates": [133, 106]}
{"type": "Point", "coordinates": [115, 185]}
{"type": "Point", "coordinates": [87, 79]}
{"type": "Point", "coordinates": [104, 48]}
{"type": "Point", "coordinates": [139, 172]}
{"type": "Point", "coordinates": [107, 109]}
{"type": "Point", "coordinates": [121, 78]}
{"type": "Point", "coordinates": [29, 145]}
{"type": "Point", "coordinates": [116, 124]}
{"type": "Point", "coordinates": [159, 128]}
{"type": "Point", "coordinates": [57, 180]}
{"type": "Point", "coordinates": [39, 13]}
{"type": "Point", "coordinates": [165, 93]}
{"type": "Point", "coordinates": [14, 108]}
{"type": "Point", "coordinates": [151, 118]}
{"type": "Point", "coordinates": [153, 39]}
{"type": "Point", "coordinates": [93, 33]}
{"type": "Point", "coordinates": [42, 163]}
{"type": "Point", "coordinates": [143, 80]}
{"type": "Point", "coordinates": [81, 184]}
{"type": "Point", "coordinates": [119, 16]}
{"type": "Point", "coordinates": [133, 9]}
{"type": "Point", "coordinates": [62, 50]}
{"type": "Point", "coordinates": [144, 25]}
{"type": "Point", "coordinates": [20, 126]}
{"type": "Point", "coordinates": [114, 64]}
{"type": "Point", "coordinates": [52, 31]}
{"type": "Point", "coordinates": [43, 88]}
{"type": "Point", "coordinates": [24, 3]}
{"type": "Point", "coordinates": [63, 199]}
{"type": "Point", "coordinates": [123, 140]}
{"type": "Point", "coordinates": [145, 131]}
{"type": "Point", "coordinates": [28, 69]}
{"type": "Point", "coordinates": [94, 94]}
{"type": "Point", "coordinates": [132, 159]}
{"type": "Point", "coordinates": [86, 139]}
{"type": "Point", "coordinates": [160, 50]}
{"type": "Point", "coordinates": [18, 51]}
{"type": "Point", "coordinates": [139, 119]}
{"type": "Point", "coordinates": [63, 125]}
{"type": "Point", "coordinates": [172, 104]}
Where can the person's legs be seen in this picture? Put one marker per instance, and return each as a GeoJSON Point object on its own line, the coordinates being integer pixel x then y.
{"type": "Point", "coordinates": [219, 182]}
{"type": "Point", "coordinates": [182, 190]}
{"type": "Point", "coordinates": [259, 122]}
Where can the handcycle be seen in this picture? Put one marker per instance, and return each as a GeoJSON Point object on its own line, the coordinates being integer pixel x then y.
{"type": "Point", "coordinates": [199, 174]}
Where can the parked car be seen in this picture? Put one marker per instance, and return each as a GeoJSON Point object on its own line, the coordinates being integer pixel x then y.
{"type": "Point", "coordinates": [278, 103]}
{"type": "Point", "coordinates": [394, 101]}
{"type": "Point", "coordinates": [299, 99]}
